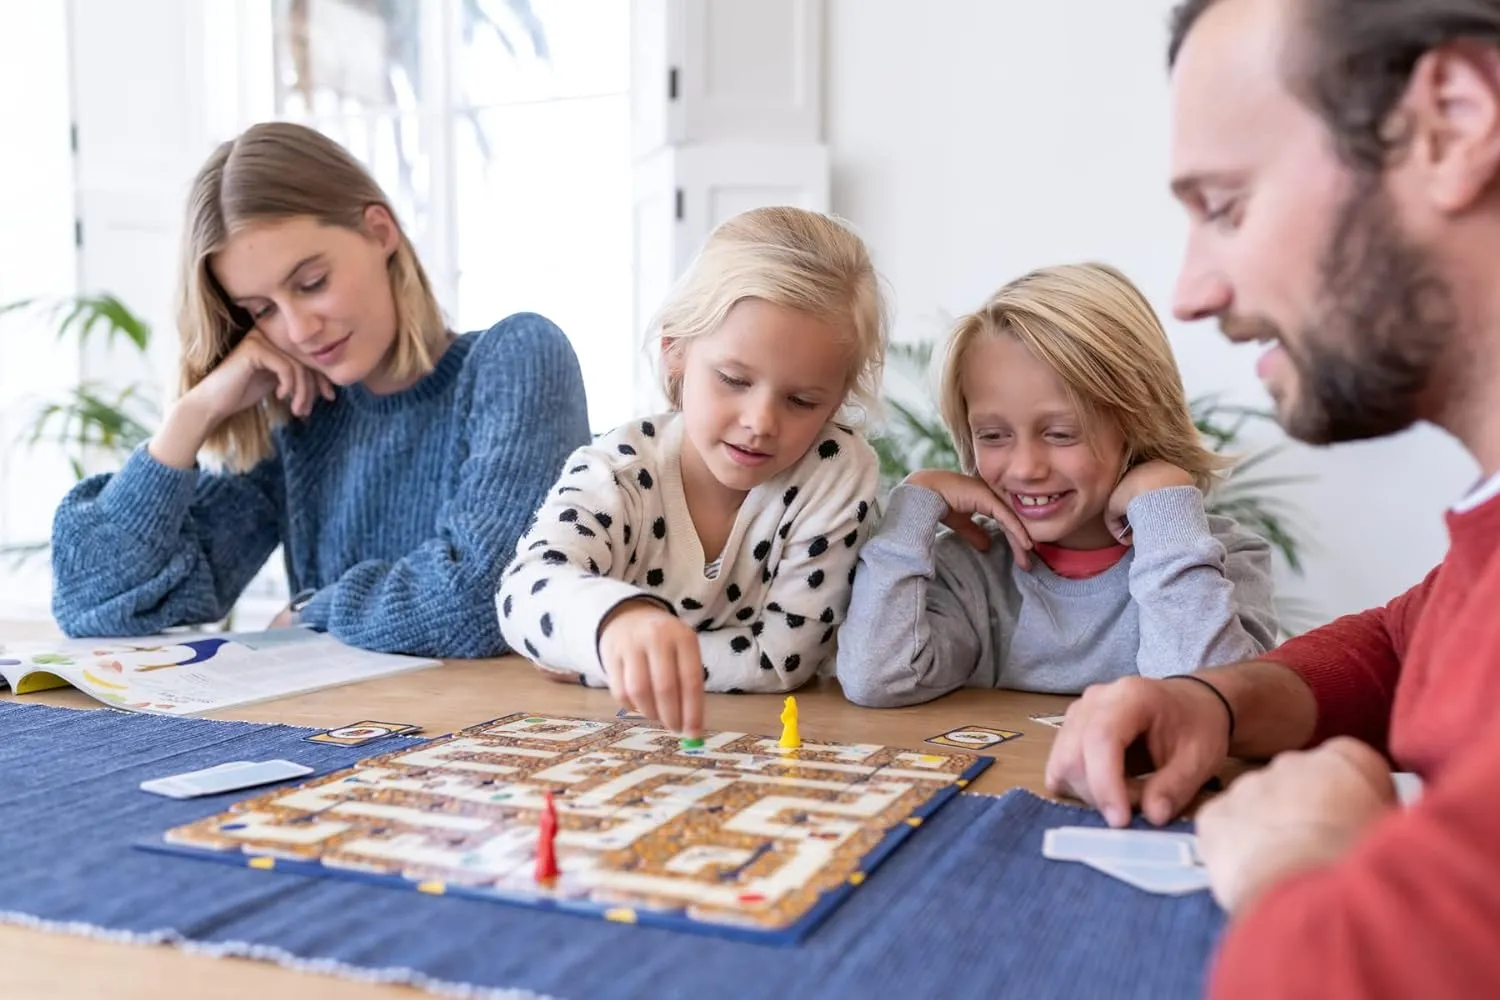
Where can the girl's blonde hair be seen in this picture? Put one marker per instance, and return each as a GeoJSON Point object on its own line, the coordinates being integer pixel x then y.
{"type": "Point", "coordinates": [273, 172]}
{"type": "Point", "coordinates": [793, 258]}
{"type": "Point", "coordinates": [1094, 328]}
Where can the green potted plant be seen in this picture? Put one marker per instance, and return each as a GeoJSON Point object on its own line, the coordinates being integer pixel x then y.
{"type": "Point", "coordinates": [92, 421]}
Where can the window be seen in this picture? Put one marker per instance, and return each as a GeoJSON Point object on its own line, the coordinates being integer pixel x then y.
{"type": "Point", "coordinates": [501, 131]}
{"type": "Point", "coordinates": [500, 128]}
{"type": "Point", "coordinates": [36, 262]}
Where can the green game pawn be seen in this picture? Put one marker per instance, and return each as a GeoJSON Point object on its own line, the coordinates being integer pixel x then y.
{"type": "Point", "coordinates": [691, 743]}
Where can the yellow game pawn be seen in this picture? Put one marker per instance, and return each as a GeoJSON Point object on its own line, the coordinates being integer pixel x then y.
{"type": "Point", "coordinates": [789, 736]}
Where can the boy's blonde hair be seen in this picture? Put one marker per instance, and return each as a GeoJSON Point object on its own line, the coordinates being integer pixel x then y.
{"type": "Point", "coordinates": [1094, 328]}
{"type": "Point", "coordinates": [793, 258]}
{"type": "Point", "coordinates": [275, 172]}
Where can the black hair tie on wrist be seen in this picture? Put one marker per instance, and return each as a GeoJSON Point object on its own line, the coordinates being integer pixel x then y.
{"type": "Point", "coordinates": [1217, 694]}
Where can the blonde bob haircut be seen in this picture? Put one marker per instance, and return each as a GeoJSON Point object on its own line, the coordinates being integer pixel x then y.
{"type": "Point", "coordinates": [273, 172]}
{"type": "Point", "coordinates": [793, 258]}
{"type": "Point", "coordinates": [1094, 328]}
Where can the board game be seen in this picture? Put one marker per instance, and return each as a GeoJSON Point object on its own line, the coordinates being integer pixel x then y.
{"type": "Point", "coordinates": [741, 837]}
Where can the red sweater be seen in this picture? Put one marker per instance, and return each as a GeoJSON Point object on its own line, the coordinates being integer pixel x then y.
{"type": "Point", "coordinates": [1414, 909]}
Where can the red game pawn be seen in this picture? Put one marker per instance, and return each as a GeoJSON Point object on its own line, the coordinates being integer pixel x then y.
{"type": "Point", "coordinates": [546, 853]}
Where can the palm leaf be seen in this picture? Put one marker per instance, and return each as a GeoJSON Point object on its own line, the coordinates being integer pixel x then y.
{"type": "Point", "coordinates": [91, 417]}
{"type": "Point", "coordinates": [928, 429]}
{"type": "Point", "coordinates": [1239, 482]}
{"type": "Point", "coordinates": [81, 315]}
{"type": "Point", "coordinates": [21, 553]}
{"type": "Point", "coordinates": [88, 419]}
{"type": "Point", "coordinates": [118, 321]}
{"type": "Point", "coordinates": [1251, 461]}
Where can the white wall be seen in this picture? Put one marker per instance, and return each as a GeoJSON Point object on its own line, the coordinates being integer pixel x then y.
{"type": "Point", "coordinates": [36, 261]}
{"type": "Point", "coordinates": [975, 139]}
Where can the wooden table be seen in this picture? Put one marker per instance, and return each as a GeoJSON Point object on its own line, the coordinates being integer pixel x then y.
{"type": "Point", "coordinates": [34, 964]}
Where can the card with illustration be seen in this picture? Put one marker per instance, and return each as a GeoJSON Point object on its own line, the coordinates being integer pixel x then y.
{"type": "Point", "coordinates": [358, 733]}
{"type": "Point", "coordinates": [973, 737]}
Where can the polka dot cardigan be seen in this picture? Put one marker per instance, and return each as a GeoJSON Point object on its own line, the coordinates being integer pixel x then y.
{"type": "Point", "coordinates": [616, 527]}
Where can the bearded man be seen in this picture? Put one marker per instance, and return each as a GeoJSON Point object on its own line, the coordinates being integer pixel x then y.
{"type": "Point", "coordinates": [1339, 161]}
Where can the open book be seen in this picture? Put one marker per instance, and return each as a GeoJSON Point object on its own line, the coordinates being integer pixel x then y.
{"type": "Point", "coordinates": [194, 672]}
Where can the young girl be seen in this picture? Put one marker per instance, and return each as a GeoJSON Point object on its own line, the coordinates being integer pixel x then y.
{"type": "Point", "coordinates": [396, 462]}
{"type": "Point", "coordinates": [712, 546]}
{"type": "Point", "coordinates": [1068, 413]}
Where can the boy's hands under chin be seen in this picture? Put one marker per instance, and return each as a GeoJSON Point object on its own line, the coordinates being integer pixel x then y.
{"type": "Point", "coordinates": [1148, 476]}
{"type": "Point", "coordinates": [970, 495]}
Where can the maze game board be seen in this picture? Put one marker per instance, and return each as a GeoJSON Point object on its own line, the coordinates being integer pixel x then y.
{"type": "Point", "coordinates": [740, 838]}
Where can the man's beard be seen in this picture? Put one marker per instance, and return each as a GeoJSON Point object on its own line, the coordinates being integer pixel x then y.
{"type": "Point", "coordinates": [1364, 366]}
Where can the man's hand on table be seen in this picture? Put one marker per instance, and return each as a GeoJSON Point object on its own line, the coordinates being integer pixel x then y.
{"type": "Point", "coordinates": [1304, 810]}
{"type": "Point", "coordinates": [1182, 724]}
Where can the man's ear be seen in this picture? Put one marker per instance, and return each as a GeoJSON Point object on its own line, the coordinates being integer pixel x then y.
{"type": "Point", "coordinates": [1452, 111]}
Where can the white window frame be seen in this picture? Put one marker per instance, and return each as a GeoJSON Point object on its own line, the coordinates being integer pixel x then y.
{"type": "Point", "coordinates": [242, 32]}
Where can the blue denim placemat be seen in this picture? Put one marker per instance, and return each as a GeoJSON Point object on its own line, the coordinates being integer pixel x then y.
{"type": "Point", "coordinates": [966, 907]}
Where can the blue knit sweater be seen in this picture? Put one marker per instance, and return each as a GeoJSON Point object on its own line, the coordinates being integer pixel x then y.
{"type": "Point", "coordinates": [401, 510]}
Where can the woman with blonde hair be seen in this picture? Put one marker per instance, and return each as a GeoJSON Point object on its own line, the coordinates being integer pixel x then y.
{"type": "Point", "coordinates": [395, 461]}
{"type": "Point", "coordinates": [710, 546]}
{"type": "Point", "coordinates": [1068, 414]}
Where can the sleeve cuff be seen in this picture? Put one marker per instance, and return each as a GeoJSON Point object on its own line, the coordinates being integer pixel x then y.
{"type": "Point", "coordinates": [316, 612]}
{"type": "Point", "coordinates": [594, 600]}
{"type": "Point", "coordinates": [599, 629]}
{"type": "Point", "coordinates": [1169, 518]}
{"type": "Point", "coordinates": [911, 516]}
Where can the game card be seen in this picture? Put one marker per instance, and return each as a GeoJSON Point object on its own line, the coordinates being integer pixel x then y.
{"type": "Point", "coordinates": [973, 737]}
{"type": "Point", "coordinates": [224, 778]}
{"type": "Point", "coordinates": [358, 733]}
{"type": "Point", "coordinates": [1164, 880]}
{"type": "Point", "coordinates": [1408, 787]}
{"type": "Point", "coordinates": [1088, 844]}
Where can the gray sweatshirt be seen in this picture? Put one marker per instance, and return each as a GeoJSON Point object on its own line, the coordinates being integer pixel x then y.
{"type": "Point", "coordinates": [931, 614]}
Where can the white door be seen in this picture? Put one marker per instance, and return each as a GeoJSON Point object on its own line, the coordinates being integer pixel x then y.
{"type": "Point", "coordinates": [682, 193]}
{"type": "Point", "coordinates": [138, 148]}
{"type": "Point", "coordinates": [708, 70]}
